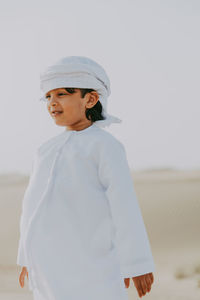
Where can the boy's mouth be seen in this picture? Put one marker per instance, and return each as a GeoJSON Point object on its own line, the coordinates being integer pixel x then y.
{"type": "Point", "coordinates": [56, 113]}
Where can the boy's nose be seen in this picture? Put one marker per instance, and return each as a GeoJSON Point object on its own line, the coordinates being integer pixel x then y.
{"type": "Point", "coordinates": [53, 100]}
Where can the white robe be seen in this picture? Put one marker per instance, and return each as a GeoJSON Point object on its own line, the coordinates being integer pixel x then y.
{"type": "Point", "coordinates": [81, 228]}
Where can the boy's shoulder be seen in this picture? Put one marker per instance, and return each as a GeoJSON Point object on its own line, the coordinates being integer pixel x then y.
{"type": "Point", "coordinates": [48, 143]}
{"type": "Point", "coordinates": [107, 139]}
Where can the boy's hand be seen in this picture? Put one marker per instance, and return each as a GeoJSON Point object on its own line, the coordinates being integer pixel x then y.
{"type": "Point", "coordinates": [142, 283]}
{"type": "Point", "coordinates": [22, 275]}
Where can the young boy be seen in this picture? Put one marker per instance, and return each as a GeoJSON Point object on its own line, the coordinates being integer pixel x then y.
{"type": "Point", "coordinates": [82, 235]}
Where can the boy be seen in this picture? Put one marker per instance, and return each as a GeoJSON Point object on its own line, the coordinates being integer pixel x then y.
{"type": "Point", "coordinates": [81, 228]}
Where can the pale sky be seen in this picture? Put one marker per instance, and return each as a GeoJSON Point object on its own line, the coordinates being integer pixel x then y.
{"type": "Point", "coordinates": [150, 51]}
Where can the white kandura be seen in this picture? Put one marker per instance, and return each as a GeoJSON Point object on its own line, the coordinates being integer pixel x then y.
{"type": "Point", "coordinates": [81, 228]}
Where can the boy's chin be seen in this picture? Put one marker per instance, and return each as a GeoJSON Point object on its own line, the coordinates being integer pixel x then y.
{"type": "Point", "coordinates": [59, 123]}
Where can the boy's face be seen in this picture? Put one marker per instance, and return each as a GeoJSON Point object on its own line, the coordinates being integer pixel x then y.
{"type": "Point", "coordinates": [71, 106]}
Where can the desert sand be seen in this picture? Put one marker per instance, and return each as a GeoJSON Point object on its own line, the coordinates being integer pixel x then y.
{"type": "Point", "coordinates": [170, 205]}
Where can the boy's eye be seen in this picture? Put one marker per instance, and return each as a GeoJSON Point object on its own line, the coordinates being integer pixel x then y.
{"type": "Point", "coordinates": [58, 94]}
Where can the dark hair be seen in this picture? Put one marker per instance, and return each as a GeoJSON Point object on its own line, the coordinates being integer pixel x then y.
{"type": "Point", "coordinates": [93, 114]}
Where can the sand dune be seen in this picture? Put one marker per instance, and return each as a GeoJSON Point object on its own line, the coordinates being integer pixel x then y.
{"type": "Point", "coordinates": [170, 205]}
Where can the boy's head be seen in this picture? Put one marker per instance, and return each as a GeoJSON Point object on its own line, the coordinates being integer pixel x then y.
{"type": "Point", "coordinates": [74, 106]}
{"type": "Point", "coordinates": [86, 88]}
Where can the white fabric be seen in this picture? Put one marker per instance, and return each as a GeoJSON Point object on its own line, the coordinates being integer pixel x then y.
{"type": "Point", "coordinates": [79, 72]}
{"type": "Point", "coordinates": [81, 228]}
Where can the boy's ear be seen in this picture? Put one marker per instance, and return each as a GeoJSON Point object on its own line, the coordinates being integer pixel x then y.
{"type": "Point", "coordinates": [93, 98]}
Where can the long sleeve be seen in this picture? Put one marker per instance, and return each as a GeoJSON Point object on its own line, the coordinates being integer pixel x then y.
{"type": "Point", "coordinates": [131, 238]}
{"type": "Point", "coordinates": [21, 258]}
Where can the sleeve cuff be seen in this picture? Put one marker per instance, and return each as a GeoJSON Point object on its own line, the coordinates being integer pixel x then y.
{"type": "Point", "coordinates": [137, 269]}
{"type": "Point", "coordinates": [21, 261]}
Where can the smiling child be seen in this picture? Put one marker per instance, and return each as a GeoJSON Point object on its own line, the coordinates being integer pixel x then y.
{"type": "Point", "coordinates": [82, 234]}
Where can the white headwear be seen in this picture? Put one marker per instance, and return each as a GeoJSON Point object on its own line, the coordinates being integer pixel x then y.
{"type": "Point", "coordinates": [79, 72]}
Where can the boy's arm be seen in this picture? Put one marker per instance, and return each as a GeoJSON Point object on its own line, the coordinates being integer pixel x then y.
{"type": "Point", "coordinates": [131, 237]}
{"type": "Point", "coordinates": [21, 258]}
